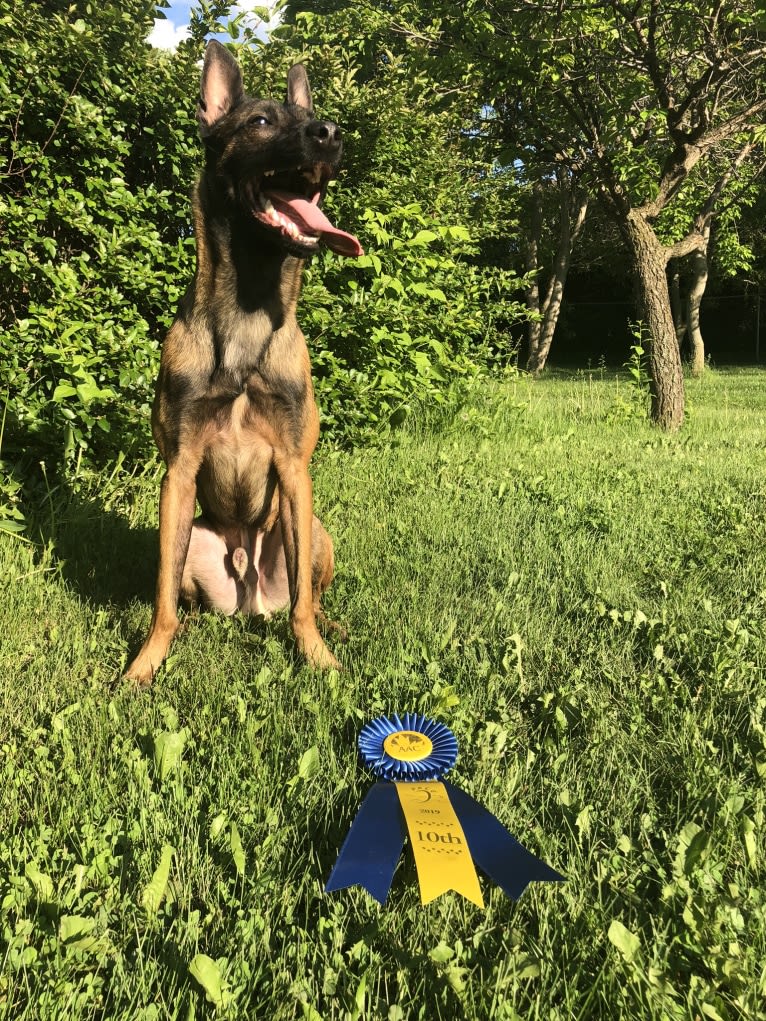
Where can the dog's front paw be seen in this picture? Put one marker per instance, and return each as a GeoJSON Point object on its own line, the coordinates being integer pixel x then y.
{"type": "Point", "coordinates": [140, 672]}
{"type": "Point", "coordinates": [318, 655]}
{"type": "Point", "coordinates": [324, 661]}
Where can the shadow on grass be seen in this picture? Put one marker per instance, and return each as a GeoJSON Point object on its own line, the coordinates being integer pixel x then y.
{"type": "Point", "coordinates": [99, 554]}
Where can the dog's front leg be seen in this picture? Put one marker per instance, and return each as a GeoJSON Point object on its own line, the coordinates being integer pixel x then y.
{"type": "Point", "coordinates": [177, 502]}
{"type": "Point", "coordinates": [296, 515]}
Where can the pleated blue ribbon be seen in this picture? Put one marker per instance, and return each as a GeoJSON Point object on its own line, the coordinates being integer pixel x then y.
{"type": "Point", "coordinates": [371, 851]}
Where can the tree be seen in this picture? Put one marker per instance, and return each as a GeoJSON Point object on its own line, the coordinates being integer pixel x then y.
{"type": "Point", "coordinates": [738, 173]}
{"type": "Point", "coordinates": [651, 91]}
{"type": "Point", "coordinates": [635, 97]}
{"type": "Point", "coordinates": [544, 303]}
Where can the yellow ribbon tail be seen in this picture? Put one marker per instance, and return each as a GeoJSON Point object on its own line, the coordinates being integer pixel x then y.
{"type": "Point", "coordinates": [442, 857]}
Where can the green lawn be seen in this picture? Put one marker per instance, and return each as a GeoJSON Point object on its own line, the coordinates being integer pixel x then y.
{"type": "Point", "coordinates": [579, 597]}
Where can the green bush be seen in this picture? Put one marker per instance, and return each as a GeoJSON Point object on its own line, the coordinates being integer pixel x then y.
{"type": "Point", "coordinates": [95, 163]}
{"type": "Point", "coordinates": [98, 153]}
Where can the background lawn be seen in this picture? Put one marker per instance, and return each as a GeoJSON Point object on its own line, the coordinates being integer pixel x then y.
{"type": "Point", "coordinates": [578, 596]}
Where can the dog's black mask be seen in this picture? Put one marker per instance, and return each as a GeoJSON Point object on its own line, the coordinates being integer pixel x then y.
{"type": "Point", "coordinates": [274, 160]}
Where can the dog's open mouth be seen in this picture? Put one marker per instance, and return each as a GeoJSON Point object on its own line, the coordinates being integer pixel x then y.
{"type": "Point", "coordinates": [297, 216]}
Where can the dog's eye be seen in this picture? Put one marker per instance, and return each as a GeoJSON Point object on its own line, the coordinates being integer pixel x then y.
{"type": "Point", "coordinates": [260, 121]}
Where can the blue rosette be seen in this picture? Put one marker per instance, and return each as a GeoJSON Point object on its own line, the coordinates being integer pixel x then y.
{"type": "Point", "coordinates": [427, 749]}
{"type": "Point", "coordinates": [411, 749]}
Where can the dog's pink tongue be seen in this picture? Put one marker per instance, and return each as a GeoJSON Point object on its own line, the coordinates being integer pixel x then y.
{"type": "Point", "coordinates": [308, 217]}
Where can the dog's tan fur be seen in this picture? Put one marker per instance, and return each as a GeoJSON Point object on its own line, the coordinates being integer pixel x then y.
{"type": "Point", "coordinates": [234, 417]}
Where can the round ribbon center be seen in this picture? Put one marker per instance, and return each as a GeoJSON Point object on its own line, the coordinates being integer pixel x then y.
{"type": "Point", "coordinates": [408, 745]}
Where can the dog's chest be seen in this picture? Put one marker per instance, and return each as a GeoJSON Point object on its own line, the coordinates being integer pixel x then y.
{"type": "Point", "coordinates": [237, 477]}
{"type": "Point", "coordinates": [241, 341]}
{"type": "Point", "coordinates": [246, 438]}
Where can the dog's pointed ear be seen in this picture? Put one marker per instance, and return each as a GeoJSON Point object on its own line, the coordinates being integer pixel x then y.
{"type": "Point", "coordinates": [298, 90]}
{"type": "Point", "coordinates": [221, 88]}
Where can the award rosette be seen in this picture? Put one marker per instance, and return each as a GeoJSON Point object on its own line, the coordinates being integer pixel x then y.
{"type": "Point", "coordinates": [450, 833]}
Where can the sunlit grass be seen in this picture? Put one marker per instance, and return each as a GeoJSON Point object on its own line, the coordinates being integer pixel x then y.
{"type": "Point", "coordinates": [579, 597]}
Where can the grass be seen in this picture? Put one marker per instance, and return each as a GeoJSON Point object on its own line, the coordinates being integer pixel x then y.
{"type": "Point", "coordinates": [579, 597]}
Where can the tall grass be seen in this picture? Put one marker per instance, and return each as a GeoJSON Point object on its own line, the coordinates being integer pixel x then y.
{"type": "Point", "coordinates": [578, 596]}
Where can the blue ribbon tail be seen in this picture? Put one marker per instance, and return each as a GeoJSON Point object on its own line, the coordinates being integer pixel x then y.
{"type": "Point", "coordinates": [373, 846]}
{"type": "Point", "coordinates": [495, 851]}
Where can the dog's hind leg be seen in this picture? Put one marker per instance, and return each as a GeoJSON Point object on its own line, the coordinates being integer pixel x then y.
{"type": "Point", "coordinates": [322, 571]}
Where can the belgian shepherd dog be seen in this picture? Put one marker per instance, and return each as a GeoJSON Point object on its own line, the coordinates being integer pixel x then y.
{"type": "Point", "coordinates": [234, 415]}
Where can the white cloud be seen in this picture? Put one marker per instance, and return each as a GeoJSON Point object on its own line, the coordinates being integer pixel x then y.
{"type": "Point", "coordinates": [166, 36]}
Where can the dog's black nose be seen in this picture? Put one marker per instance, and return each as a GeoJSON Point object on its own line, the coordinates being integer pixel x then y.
{"type": "Point", "coordinates": [326, 135]}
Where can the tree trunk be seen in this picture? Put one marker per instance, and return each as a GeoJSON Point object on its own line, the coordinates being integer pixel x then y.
{"type": "Point", "coordinates": [532, 266]}
{"type": "Point", "coordinates": [572, 210]}
{"type": "Point", "coordinates": [676, 305]}
{"type": "Point", "coordinates": [649, 259]}
{"type": "Point", "coordinates": [696, 293]}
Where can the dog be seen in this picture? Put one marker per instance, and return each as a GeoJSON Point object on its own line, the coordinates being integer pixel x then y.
{"type": "Point", "coordinates": [234, 415]}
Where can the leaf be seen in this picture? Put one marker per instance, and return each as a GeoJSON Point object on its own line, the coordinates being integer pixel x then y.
{"type": "Point", "coordinates": [62, 391]}
{"type": "Point", "coordinates": [747, 826]}
{"type": "Point", "coordinates": [73, 927]}
{"type": "Point", "coordinates": [361, 991]}
{"type": "Point", "coordinates": [11, 527]}
{"type": "Point", "coordinates": [169, 717]}
{"type": "Point", "coordinates": [41, 883]}
{"type": "Point", "coordinates": [237, 851]}
{"type": "Point", "coordinates": [528, 967]}
{"type": "Point", "coordinates": [734, 804]}
{"type": "Point", "coordinates": [583, 820]}
{"type": "Point", "coordinates": [168, 750]}
{"type": "Point", "coordinates": [423, 237]}
{"type": "Point", "coordinates": [442, 953]}
{"type": "Point", "coordinates": [310, 1013]}
{"type": "Point", "coordinates": [217, 825]}
{"type": "Point", "coordinates": [692, 844]}
{"type": "Point", "coordinates": [57, 720]}
{"type": "Point", "coordinates": [710, 1011]}
{"type": "Point", "coordinates": [455, 975]}
{"type": "Point", "coordinates": [207, 973]}
{"type": "Point", "coordinates": [622, 938]}
{"type": "Point", "coordinates": [309, 764]}
{"type": "Point", "coordinates": [90, 391]}
{"type": "Point", "coordinates": [155, 890]}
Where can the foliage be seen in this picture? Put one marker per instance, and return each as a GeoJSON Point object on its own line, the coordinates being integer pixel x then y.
{"type": "Point", "coordinates": [639, 380]}
{"type": "Point", "coordinates": [422, 310]}
{"type": "Point", "coordinates": [96, 163]}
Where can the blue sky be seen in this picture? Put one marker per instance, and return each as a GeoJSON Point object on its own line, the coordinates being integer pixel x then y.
{"type": "Point", "coordinates": [168, 32]}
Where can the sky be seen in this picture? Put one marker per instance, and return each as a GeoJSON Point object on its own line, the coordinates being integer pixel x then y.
{"type": "Point", "coordinates": [169, 32]}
